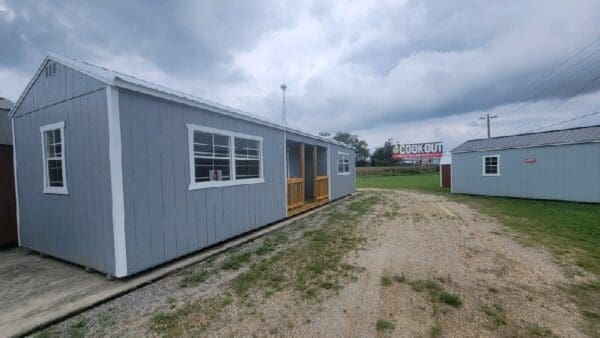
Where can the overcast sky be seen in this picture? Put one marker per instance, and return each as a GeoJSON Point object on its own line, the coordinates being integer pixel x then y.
{"type": "Point", "coordinates": [409, 70]}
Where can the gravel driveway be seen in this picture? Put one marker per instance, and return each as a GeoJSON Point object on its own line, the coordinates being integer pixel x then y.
{"type": "Point", "coordinates": [420, 266]}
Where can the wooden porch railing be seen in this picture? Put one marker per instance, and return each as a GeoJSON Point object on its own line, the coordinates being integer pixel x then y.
{"type": "Point", "coordinates": [322, 188]}
{"type": "Point", "coordinates": [295, 192]}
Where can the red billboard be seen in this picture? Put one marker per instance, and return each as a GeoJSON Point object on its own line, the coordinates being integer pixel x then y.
{"type": "Point", "coordinates": [418, 151]}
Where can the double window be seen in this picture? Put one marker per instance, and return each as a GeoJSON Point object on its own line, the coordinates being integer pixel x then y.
{"type": "Point", "coordinates": [220, 158]}
{"type": "Point", "coordinates": [491, 165]}
{"type": "Point", "coordinates": [53, 152]}
{"type": "Point", "coordinates": [343, 163]}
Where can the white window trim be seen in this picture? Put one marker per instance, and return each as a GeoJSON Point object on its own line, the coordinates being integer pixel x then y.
{"type": "Point", "coordinates": [191, 128]}
{"type": "Point", "coordinates": [343, 173]}
{"type": "Point", "coordinates": [483, 165]}
{"type": "Point", "coordinates": [47, 188]}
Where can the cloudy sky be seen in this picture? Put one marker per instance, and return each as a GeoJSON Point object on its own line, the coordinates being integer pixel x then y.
{"type": "Point", "coordinates": [409, 70]}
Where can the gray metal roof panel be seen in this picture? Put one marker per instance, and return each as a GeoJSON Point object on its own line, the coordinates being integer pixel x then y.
{"type": "Point", "coordinates": [5, 104]}
{"type": "Point", "coordinates": [553, 137]}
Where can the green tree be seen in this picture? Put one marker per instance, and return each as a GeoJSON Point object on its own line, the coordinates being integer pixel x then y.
{"type": "Point", "coordinates": [382, 156]}
{"type": "Point", "coordinates": [361, 146]}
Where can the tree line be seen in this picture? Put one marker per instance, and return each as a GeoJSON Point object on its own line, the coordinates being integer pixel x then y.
{"type": "Point", "coordinates": [381, 157]}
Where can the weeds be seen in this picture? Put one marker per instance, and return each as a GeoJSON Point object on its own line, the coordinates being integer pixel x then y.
{"type": "Point", "coordinates": [235, 261]}
{"type": "Point", "coordinates": [536, 330]}
{"type": "Point", "coordinates": [400, 278]}
{"type": "Point", "coordinates": [496, 313]}
{"type": "Point", "coordinates": [193, 278]}
{"type": "Point", "coordinates": [436, 330]}
{"type": "Point", "coordinates": [450, 298]}
{"type": "Point", "coordinates": [383, 325]}
{"type": "Point", "coordinates": [79, 329]}
{"type": "Point", "coordinates": [386, 280]}
{"type": "Point", "coordinates": [45, 333]}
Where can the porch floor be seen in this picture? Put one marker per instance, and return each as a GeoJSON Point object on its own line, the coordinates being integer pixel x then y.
{"type": "Point", "coordinates": [306, 206]}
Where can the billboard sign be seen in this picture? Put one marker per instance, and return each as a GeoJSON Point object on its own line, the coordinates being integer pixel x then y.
{"type": "Point", "coordinates": [418, 151]}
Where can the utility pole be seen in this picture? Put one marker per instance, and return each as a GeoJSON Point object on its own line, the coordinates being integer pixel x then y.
{"type": "Point", "coordinates": [487, 117]}
{"type": "Point", "coordinates": [284, 108]}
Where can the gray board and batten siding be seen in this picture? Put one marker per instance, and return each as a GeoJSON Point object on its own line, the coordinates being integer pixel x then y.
{"type": "Point", "coordinates": [129, 205]}
{"type": "Point", "coordinates": [76, 227]}
{"type": "Point", "coordinates": [556, 165]}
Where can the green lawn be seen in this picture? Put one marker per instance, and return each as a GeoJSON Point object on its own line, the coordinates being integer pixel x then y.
{"type": "Point", "coordinates": [571, 229]}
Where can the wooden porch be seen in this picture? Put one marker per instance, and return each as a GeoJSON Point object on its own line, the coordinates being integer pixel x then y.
{"type": "Point", "coordinates": [297, 201]}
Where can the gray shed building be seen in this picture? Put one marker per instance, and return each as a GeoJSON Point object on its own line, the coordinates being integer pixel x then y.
{"type": "Point", "coordinates": [120, 175]}
{"type": "Point", "coordinates": [556, 165]}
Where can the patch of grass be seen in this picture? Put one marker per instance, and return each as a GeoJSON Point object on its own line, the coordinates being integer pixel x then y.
{"type": "Point", "coordinates": [45, 333]}
{"type": "Point", "coordinates": [78, 329]}
{"type": "Point", "coordinates": [536, 330]}
{"type": "Point", "coordinates": [436, 292]}
{"type": "Point", "coordinates": [191, 317]}
{"type": "Point", "coordinates": [424, 182]}
{"type": "Point", "coordinates": [386, 280]}
{"type": "Point", "coordinates": [363, 205]}
{"type": "Point", "coordinates": [107, 320]}
{"type": "Point", "coordinates": [383, 325]}
{"type": "Point", "coordinates": [236, 260]}
{"type": "Point", "coordinates": [492, 290]}
{"type": "Point", "coordinates": [193, 278]}
{"type": "Point", "coordinates": [270, 244]}
{"type": "Point", "coordinates": [401, 278]}
{"type": "Point", "coordinates": [587, 298]}
{"type": "Point", "coordinates": [436, 330]}
{"type": "Point", "coordinates": [496, 313]}
{"type": "Point", "coordinates": [450, 298]}
{"type": "Point", "coordinates": [314, 265]}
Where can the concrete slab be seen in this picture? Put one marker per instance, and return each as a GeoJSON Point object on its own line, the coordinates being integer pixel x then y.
{"type": "Point", "coordinates": [36, 291]}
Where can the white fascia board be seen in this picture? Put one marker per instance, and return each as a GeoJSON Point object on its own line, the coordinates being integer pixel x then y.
{"type": "Point", "coordinates": [116, 180]}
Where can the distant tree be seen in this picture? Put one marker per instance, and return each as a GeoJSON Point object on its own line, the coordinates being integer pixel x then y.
{"type": "Point", "coordinates": [361, 146]}
{"type": "Point", "coordinates": [382, 156]}
{"type": "Point", "coordinates": [324, 134]}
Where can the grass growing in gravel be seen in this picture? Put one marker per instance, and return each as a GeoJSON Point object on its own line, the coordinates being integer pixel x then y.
{"type": "Point", "coordinates": [436, 292]}
{"type": "Point", "coordinates": [79, 329]}
{"type": "Point", "coordinates": [496, 314]}
{"type": "Point", "coordinates": [235, 261]}
{"type": "Point", "coordinates": [436, 330]}
{"type": "Point", "coordinates": [383, 325]}
{"type": "Point", "coordinates": [193, 278]}
{"type": "Point", "coordinates": [386, 280]}
{"type": "Point", "coordinates": [311, 266]}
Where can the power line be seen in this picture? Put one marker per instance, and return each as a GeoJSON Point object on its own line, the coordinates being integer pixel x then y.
{"type": "Point", "coordinates": [556, 72]}
{"type": "Point", "coordinates": [565, 121]}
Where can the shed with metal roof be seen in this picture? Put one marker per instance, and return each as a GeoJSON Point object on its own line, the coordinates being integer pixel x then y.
{"type": "Point", "coordinates": [119, 174]}
{"type": "Point", "coordinates": [557, 165]}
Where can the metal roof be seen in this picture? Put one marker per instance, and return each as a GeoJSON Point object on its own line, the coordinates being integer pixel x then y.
{"type": "Point", "coordinates": [118, 79]}
{"type": "Point", "coordinates": [5, 104]}
{"type": "Point", "coordinates": [546, 138]}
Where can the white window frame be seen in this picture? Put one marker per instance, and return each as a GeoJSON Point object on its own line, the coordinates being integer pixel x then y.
{"type": "Point", "coordinates": [47, 188]}
{"type": "Point", "coordinates": [191, 128]}
{"type": "Point", "coordinates": [483, 173]}
{"type": "Point", "coordinates": [343, 155]}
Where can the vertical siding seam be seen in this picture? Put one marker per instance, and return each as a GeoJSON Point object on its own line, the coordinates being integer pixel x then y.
{"type": "Point", "coordinates": [116, 181]}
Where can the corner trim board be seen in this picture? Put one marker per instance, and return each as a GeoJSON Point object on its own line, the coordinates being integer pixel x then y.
{"type": "Point", "coordinates": [12, 123]}
{"type": "Point", "coordinates": [116, 180]}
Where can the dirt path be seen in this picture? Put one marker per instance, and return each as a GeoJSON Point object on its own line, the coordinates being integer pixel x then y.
{"type": "Point", "coordinates": [431, 239]}
{"type": "Point", "coordinates": [426, 267]}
